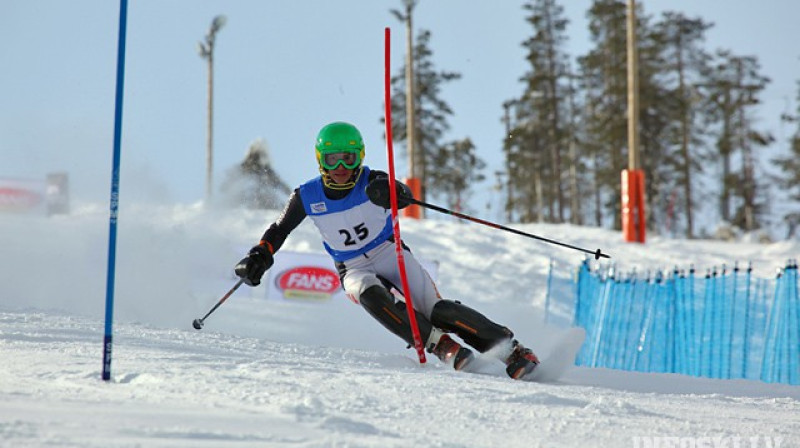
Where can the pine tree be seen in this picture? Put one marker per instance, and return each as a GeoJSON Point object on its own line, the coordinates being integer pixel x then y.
{"type": "Point", "coordinates": [459, 168]}
{"type": "Point", "coordinates": [548, 73]}
{"type": "Point", "coordinates": [254, 183]}
{"type": "Point", "coordinates": [789, 179]}
{"type": "Point", "coordinates": [684, 63]}
{"type": "Point", "coordinates": [431, 112]}
{"type": "Point", "coordinates": [685, 102]}
{"type": "Point", "coordinates": [604, 76]}
{"type": "Point", "coordinates": [541, 121]}
{"type": "Point", "coordinates": [733, 85]}
{"type": "Point", "coordinates": [525, 162]}
{"type": "Point", "coordinates": [574, 147]}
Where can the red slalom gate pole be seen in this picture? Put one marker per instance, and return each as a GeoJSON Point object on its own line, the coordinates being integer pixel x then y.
{"type": "Point", "coordinates": [401, 264]}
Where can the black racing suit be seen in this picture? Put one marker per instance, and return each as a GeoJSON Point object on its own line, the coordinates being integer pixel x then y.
{"type": "Point", "coordinates": [451, 316]}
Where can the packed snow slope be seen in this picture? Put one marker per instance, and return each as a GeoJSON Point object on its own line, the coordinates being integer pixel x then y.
{"type": "Point", "coordinates": [281, 373]}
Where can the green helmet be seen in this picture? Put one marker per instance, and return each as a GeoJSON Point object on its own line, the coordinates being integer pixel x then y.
{"type": "Point", "coordinates": [343, 145]}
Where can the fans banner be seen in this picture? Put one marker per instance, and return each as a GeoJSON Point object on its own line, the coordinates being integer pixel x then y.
{"type": "Point", "coordinates": [311, 277]}
{"type": "Point", "coordinates": [22, 196]}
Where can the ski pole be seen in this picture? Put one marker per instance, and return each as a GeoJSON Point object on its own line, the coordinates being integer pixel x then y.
{"type": "Point", "coordinates": [597, 254]}
{"type": "Point", "coordinates": [198, 323]}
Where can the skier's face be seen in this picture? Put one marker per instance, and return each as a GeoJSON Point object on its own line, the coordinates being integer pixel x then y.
{"type": "Point", "coordinates": [340, 175]}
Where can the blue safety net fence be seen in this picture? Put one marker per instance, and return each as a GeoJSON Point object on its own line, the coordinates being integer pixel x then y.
{"type": "Point", "coordinates": [722, 324]}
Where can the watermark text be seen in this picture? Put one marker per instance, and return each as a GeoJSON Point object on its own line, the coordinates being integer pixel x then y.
{"type": "Point", "coordinates": [708, 442]}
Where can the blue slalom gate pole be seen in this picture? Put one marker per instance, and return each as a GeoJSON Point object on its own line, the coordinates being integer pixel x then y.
{"type": "Point", "coordinates": [114, 206]}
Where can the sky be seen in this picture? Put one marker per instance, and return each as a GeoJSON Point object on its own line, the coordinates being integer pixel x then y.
{"type": "Point", "coordinates": [286, 373]}
{"type": "Point", "coordinates": [282, 71]}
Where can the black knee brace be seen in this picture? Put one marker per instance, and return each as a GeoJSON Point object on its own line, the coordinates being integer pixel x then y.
{"type": "Point", "coordinates": [471, 326]}
{"type": "Point", "coordinates": [392, 314]}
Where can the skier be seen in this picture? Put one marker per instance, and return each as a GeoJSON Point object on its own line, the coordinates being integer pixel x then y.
{"type": "Point", "coordinates": [349, 204]}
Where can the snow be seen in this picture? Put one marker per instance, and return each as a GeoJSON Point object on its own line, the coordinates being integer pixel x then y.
{"type": "Point", "coordinates": [281, 373]}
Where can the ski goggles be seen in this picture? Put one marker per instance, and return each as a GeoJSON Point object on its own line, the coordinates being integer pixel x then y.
{"type": "Point", "coordinates": [350, 160]}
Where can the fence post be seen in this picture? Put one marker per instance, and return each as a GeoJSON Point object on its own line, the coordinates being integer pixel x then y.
{"type": "Point", "coordinates": [746, 327]}
{"type": "Point", "coordinates": [794, 326]}
{"type": "Point", "coordinates": [768, 360]}
{"type": "Point", "coordinates": [601, 317]}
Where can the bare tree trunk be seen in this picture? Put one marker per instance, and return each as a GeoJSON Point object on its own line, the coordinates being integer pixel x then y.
{"type": "Point", "coordinates": [537, 185]}
{"type": "Point", "coordinates": [748, 182]}
{"type": "Point", "coordinates": [725, 199]}
{"type": "Point", "coordinates": [555, 150]}
{"type": "Point", "coordinates": [685, 133]}
{"type": "Point", "coordinates": [574, 192]}
{"type": "Point", "coordinates": [598, 211]}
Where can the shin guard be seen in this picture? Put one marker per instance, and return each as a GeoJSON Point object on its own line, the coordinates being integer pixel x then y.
{"type": "Point", "coordinates": [470, 325]}
{"type": "Point", "coordinates": [393, 315]}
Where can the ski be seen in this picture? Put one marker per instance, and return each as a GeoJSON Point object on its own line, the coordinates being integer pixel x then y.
{"type": "Point", "coordinates": [550, 368]}
{"type": "Point", "coordinates": [561, 357]}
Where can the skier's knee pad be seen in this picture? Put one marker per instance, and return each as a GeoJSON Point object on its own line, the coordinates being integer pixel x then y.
{"type": "Point", "coordinates": [392, 314]}
{"type": "Point", "coordinates": [356, 283]}
{"type": "Point", "coordinates": [470, 325]}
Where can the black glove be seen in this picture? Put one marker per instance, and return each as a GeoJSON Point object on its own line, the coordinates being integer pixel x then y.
{"type": "Point", "coordinates": [252, 267]}
{"type": "Point", "coordinates": [378, 193]}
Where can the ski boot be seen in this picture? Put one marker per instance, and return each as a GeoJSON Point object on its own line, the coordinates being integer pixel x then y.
{"type": "Point", "coordinates": [521, 362]}
{"type": "Point", "coordinates": [452, 353]}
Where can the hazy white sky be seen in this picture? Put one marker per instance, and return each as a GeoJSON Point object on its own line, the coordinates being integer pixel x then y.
{"type": "Point", "coordinates": [283, 70]}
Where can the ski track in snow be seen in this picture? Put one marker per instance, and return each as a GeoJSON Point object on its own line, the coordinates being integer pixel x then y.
{"type": "Point", "coordinates": [184, 388]}
{"type": "Point", "coordinates": [267, 373]}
